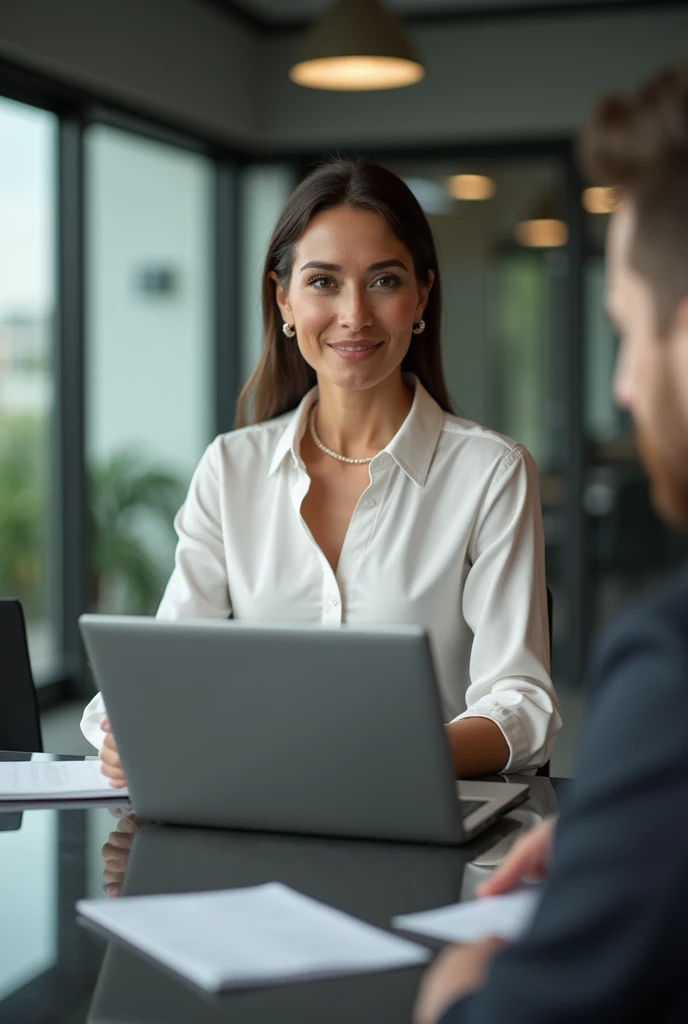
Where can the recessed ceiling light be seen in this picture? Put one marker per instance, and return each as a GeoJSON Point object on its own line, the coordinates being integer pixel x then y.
{"type": "Point", "coordinates": [471, 187]}
{"type": "Point", "coordinates": [543, 233]}
{"type": "Point", "coordinates": [601, 199]}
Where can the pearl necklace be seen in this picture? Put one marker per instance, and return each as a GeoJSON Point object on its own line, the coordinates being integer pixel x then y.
{"type": "Point", "coordinates": [328, 451]}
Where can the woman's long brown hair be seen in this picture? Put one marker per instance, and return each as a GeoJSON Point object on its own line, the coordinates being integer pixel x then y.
{"type": "Point", "coordinates": [282, 376]}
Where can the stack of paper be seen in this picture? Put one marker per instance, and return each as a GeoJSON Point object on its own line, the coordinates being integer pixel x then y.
{"type": "Point", "coordinates": [503, 917]}
{"type": "Point", "coordinates": [54, 780]}
{"type": "Point", "coordinates": [263, 935]}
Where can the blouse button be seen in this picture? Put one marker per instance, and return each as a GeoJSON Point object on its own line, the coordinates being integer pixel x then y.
{"type": "Point", "coordinates": [333, 601]}
{"type": "Point", "coordinates": [369, 503]}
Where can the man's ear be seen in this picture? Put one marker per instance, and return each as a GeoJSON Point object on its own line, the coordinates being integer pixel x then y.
{"type": "Point", "coordinates": [681, 316]}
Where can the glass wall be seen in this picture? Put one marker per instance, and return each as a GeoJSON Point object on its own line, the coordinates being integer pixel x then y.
{"type": "Point", "coordinates": [149, 352]}
{"type": "Point", "coordinates": [500, 236]}
{"type": "Point", "coordinates": [27, 309]}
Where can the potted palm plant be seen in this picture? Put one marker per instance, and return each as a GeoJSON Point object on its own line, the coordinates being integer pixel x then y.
{"type": "Point", "coordinates": [130, 501]}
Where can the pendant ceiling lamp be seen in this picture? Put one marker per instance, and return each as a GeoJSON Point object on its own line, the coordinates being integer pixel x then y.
{"type": "Point", "coordinates": [358, 45]}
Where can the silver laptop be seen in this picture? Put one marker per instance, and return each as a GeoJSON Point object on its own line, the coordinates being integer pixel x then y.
{"type": "Point", "coordinates": [286, 728]}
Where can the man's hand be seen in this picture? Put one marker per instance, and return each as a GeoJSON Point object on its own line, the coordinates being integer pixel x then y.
{"type": "Point", "coordinates": [115, 853]}
{"type": "Point", "coordinates": [528, 858]}
{"type": "Point", "coordinates": [109, 758]}
{"type": "Point", "coordinates": [457, 972]}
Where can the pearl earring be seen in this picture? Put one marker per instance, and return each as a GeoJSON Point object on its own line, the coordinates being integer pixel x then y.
{"type": "Point", "coordinates": [419, 328]}
{"type": "Point", "coordinates": [288, 330]}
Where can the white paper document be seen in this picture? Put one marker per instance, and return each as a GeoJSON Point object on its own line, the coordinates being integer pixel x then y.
{"type": "Point", "coordinates": [504, 917]}
{"type": "Point", "coordinates": [264, 935]}
{"type": "Point", "coordinates": [54, 780]}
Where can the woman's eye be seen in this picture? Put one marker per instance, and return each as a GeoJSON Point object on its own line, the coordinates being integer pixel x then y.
{"type": "Point", "coordinates": [321, 282]}
{"type": "Point", "coordinates": [387, 281]}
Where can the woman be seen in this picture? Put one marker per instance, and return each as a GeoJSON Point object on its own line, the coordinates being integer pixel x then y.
{"type": "Point", "coordinates": [355, 495]}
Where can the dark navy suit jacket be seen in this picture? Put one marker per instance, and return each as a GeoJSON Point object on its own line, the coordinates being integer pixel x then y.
{"type": "Point", "coordinates": [610, 940]}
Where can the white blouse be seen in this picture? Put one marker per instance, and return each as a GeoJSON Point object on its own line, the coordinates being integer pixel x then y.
{"type": "Point", "coordinates": [447, 535]}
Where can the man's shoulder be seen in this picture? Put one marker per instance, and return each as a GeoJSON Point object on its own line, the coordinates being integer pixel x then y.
{"type": "Point", "coordinates": [664, 606]}
{"type": "Point", "coordinates": [654, 624]}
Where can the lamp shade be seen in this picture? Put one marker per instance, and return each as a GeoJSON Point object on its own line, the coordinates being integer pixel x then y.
{"type": "Point", "coordinates": [356, 46]}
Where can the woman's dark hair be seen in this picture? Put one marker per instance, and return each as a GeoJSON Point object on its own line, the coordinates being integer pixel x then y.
{"type": "Point", "coordinates": [282, 376]}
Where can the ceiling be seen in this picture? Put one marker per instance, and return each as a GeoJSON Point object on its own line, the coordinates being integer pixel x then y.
{"type": "Point", "coordinates": [287, 12]}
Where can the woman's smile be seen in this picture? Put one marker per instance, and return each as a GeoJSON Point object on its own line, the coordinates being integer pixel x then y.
{"type": "Point", "coordinates": [354, 350]}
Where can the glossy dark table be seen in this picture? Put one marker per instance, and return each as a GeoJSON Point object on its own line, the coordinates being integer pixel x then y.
{"type": "Point", "coordinates": [54, 970]}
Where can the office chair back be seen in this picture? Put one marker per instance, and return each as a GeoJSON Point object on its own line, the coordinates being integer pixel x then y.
{"type": "Point", "coordinates": [543, 770]}
{"type": "Point", "coordinates": [20, 726]}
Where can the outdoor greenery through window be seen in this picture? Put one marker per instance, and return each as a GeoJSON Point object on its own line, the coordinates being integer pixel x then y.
{"type": "Point", "coordinates": [27, 313]}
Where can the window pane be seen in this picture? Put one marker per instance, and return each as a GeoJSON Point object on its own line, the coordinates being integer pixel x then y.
{"type": "Point", "coordinates": [27, 298]}
{"type": "Point", "coordinates": [149, 354]}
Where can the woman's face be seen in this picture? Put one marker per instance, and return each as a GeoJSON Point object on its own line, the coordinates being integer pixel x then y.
{"type": "Point", "coordinates": [353, 298]}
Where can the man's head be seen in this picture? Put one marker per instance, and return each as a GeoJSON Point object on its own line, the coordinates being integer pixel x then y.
{"type": "Point", "coordinates": [640, 145]}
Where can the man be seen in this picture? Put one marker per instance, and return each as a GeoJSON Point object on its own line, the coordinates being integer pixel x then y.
{"type": "Point", "coordinates": [609, 940]}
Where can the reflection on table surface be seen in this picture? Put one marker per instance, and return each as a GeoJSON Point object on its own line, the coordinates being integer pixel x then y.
{"type": "Point", "coordinates": [51, 965]}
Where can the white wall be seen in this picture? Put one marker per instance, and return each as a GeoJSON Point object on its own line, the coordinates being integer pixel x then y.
{"type": "Point", "coordinates": [505, 78]}
{"type": "Point", "coordinates": [180, 59]}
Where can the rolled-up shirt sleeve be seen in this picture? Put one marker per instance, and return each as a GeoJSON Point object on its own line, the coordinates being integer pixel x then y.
{"type": "Point", "coordinates": [198, 586]}
{"type": "Point", "coordinates": [505, 605]}
{"type": "Point", "coordinates": [91, 721]}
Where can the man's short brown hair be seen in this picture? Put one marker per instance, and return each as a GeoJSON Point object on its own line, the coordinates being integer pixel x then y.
{"type": "Point", "coordinates": [640, 145]}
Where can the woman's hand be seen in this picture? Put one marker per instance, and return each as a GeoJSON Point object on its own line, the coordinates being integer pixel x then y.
{"type": "Point", "coordinates": [528, 858]}
{"type": "Point", "coordinates": [109, 758]}
{"type": "Point", "coordinates": [115, 853]}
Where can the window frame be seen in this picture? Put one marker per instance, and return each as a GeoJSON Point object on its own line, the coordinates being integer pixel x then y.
{"type": "Point", "coordinates": [76, 110]}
